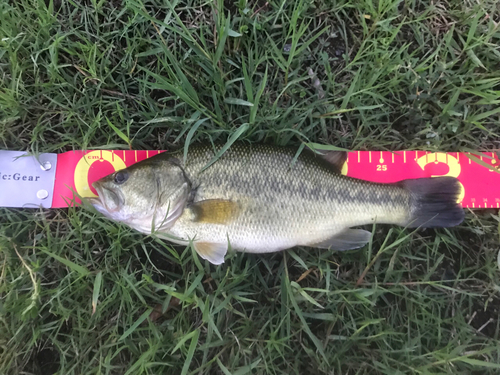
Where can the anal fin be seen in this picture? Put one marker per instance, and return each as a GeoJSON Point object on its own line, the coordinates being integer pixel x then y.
{"type": "Point", "coordinates": [347, 240]}
{"type": "Point", "coordinates": [213, 252]}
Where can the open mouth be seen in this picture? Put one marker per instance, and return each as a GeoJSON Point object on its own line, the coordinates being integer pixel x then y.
{"type": "Point", "coordinates": [107, 200]}
{"type": "Point", "coordinates": [96, 201]}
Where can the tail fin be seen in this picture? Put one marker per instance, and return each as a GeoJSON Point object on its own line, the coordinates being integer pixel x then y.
{"type": "Point", "coordinates": [433, 202]}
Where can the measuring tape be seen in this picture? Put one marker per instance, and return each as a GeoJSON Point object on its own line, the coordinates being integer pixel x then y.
{"type": "Point", "coordinates": [478, 174]}
{"type": "Point", "coordinates": [51, 180]}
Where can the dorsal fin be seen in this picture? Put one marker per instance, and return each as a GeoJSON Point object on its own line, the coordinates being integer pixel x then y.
{"type": "Point", "coordinates": [214, 211]}
{"type": "Point", "coordinates": [335, 158]}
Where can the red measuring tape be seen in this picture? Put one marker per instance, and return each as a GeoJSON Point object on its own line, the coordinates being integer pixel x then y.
{"type": "Point", "coordinates": [478, 174]}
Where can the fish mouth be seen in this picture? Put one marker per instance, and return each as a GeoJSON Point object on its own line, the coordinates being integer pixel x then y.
{"type": "Point", "coordinates": [94, 201]}
{"type": "Point", "coordinates": [107, 201]}
{"type": "Point", "coordinates": [97, 203]}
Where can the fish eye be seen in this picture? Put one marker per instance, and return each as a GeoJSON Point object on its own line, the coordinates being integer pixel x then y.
{"type": "Point", "coordinates": [121, 177]}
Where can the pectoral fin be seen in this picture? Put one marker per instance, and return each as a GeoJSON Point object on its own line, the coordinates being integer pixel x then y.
{"type": "Point", "coordinates": [346, 240]}
{"type": "Point", "coordinates": [214, 211]}
{"type": "Point", "coordinates": [213, 252]}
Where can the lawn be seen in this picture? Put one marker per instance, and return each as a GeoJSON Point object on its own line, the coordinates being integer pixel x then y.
{"type": "Point", "coordinates": [82, 295]}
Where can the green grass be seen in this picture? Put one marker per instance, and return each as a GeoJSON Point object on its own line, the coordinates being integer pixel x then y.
{"type": "Point", "coordinates": [82, 295]}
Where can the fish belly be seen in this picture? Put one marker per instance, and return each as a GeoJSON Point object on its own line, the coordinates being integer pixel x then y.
{"type": "Point", "coordinates": [268, 227]}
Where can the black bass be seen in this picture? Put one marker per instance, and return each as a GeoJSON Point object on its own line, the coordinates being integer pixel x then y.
{"type": "Point", "coordinates": [261, 199]}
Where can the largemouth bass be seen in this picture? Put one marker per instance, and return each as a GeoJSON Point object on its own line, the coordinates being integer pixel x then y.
{"type": "Point", "coordinates": [261, 199]}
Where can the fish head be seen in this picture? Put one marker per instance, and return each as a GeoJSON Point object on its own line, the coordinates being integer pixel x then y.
{"type": "Point", "coordinates": [149, 195]}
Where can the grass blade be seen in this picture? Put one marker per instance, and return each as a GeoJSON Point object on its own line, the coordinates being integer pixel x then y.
{"type": "Point", "coordinates": [260, 91]}
{"type": "Point", "coordinates": [190, 353]}
{"type": "Point", "coordinates": [137, 323]}
{"type": "Point", "coordinates": [305, 326]}
{"type": "Point", "coordinates": [97, 291]}
{"type": "Point", "coordinates": [237, 101]}
{"type": "Point", "coordinates": [228, 144]}
{"type": "Point", "coordinates": [68, 263]}
{"type": "Point", "coordinates": [223, 34]}
{"type": "Point", "coordinates": [190, 136]}
{"type": "Point", "coordinates": [119, 133]}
